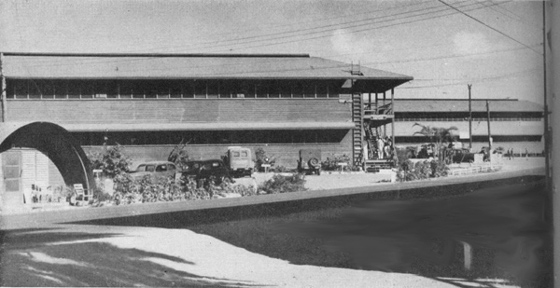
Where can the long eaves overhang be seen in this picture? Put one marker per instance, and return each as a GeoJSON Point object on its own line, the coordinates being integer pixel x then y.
{"type": "Point", "coordinates": [209, 126]}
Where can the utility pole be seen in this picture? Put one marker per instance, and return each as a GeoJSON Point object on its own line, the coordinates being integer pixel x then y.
{"type": "Point", "coordinates": [470, 117]}
{"type": "Point", "coordinates": [546, 135]}
{"type": "Point", "coordinates": [3, 88]}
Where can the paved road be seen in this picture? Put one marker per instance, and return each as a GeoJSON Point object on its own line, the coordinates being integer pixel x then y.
{"type": "Point", "coordinates": [311, 245]}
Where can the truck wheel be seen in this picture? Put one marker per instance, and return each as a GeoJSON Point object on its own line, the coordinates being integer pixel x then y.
{"type": "Point", "coordinates": [313, 161]}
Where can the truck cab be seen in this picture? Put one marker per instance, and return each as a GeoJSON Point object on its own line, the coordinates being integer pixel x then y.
{"type": "Point", "coordinates": [239, 160]}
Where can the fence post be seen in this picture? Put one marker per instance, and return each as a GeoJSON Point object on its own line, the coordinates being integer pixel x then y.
{"type": "Point", "coordinates": [467, 250]}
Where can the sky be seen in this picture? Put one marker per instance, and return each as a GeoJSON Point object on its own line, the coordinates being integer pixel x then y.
{"type": "Point", "coordinates": [494, 45]}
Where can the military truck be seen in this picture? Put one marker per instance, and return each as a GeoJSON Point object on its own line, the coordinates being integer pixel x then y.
{"type": "Point", "coordinates": [309, 161]}
{"type": "Point", "coordinates": [239, 160]}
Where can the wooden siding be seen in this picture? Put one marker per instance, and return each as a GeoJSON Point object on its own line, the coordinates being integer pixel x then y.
{"type": "Point", "coordinates": [478, 127]}
{"type": "Point", "coordinates": [286, 154]}
{"type": "Point", "coordinates": [177, 110]}
{"type": "Point", "coordinates": [34, 169]}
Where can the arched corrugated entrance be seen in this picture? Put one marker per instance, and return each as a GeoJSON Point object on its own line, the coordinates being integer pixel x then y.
{"type": "Point", "coordinates": [53, 141]}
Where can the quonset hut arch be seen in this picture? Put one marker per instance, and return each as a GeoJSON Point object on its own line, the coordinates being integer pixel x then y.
{"type": "Point", "coordinates": [53, 141]}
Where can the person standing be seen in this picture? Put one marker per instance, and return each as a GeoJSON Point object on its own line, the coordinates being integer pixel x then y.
{"type": "Point", "coordinates": [387, 147]}
{"type": "Point", "coordinates": [380, 145]}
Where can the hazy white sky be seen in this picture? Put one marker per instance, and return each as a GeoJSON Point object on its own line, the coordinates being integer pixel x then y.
{"type": "Point", "coordinates": [441, 48]}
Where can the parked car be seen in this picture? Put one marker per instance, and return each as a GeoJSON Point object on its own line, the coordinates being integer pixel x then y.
{"type": "Point", "coordinates": [155, 169]}
{"type": "Point", "coordinates": [425, 151]}
{"type": "Point", "coordinates": [204, 169]}
{"type": "Point", "coordinates": [309, 161]}
{"type": "Point", "coordinates": [191, 168]}
{"type": "Point", "coordinates": [462, 155]}
{"type": "Point", "coordinates": [239, 161]}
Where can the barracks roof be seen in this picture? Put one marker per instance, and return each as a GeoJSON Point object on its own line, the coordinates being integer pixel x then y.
{"type": "Point", "coordinates": [274, 66]}
{"type": "Point", "coordinates": [462, 105]}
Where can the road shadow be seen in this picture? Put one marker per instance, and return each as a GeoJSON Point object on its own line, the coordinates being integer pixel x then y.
{"type": "Point", "coordinates": [51, 257]}
{"type": "Point", "coordinates": [505, 228]}
{"type": "Point", "coordinates": [416, 231]}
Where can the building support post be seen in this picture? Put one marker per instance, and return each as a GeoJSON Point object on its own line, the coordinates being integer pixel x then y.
{"type": "Point", "coordinates": [393, 126]}
{"type": "Point", "coordinates": [3, 87]}
{"type": "Point", "coordinates": [385, 125]}
{"type": "Point", "coordinates": [546, 134]}
{"type": "Point", "coordinates": [489, 134]}
{"type": "Point", "coordinates": [470, 118]}
{"type": "Point", "coordinates": [376, 104]}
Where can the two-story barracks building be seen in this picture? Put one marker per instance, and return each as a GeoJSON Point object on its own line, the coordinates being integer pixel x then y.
{"type": "Point", "coordinates": [151, 102]}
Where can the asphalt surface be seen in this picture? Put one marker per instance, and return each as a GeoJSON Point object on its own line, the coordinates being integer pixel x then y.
{"type": "Point", "coordinates": [406, 235]}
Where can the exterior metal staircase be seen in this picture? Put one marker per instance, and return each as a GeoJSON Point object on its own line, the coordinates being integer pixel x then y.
{"type": "Point", "coordinates": [371, 135]}
{"type": "Point", "coordinates": [357, 132]}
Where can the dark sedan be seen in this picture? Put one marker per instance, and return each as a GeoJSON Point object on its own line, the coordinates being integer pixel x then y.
{"type": "Point", "coordinates": [205, 169]}
{"type": "Point", "coordinates": [462, 155]}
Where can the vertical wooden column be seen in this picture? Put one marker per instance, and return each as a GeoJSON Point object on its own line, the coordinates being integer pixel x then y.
{"type": "Point", "coordinates": [393, 121]}
{"type": "Point", "coordinates": [376, 105]}
{"type": "Point", "coordinates": [488, 121]}
{"type": "Point", "coordinates": [384, 125]}
{"type": "Point", "coordinates": [470, 117]}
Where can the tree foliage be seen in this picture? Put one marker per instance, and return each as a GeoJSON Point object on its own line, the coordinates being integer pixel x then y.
{"type": "Point", "coordinates": [180, 155]}
{"type": "Point", "coordinates": [439, 136]}
{"type": "Point", "coordinates": [112, 161]}
{"type": "Point", "coordinates": [261, 157]}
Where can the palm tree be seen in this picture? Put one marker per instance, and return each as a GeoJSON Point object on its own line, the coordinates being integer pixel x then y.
{"type": "Point", "coordinates": [437, 135]}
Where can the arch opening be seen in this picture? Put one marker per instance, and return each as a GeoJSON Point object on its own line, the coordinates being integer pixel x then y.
{"type": "Point", "coordinates": [56, 143]}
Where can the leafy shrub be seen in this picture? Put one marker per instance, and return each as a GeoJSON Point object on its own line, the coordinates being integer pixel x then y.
{"type": "Point", "coordinates": [262, 158]}
{"type": "Point", "coordinates": [112, 161]}
{"type": "Point", "coordinates": [161, 189]}
{"type": "Point", "coordinates": [403, 154]}
{"type": "Point", "coordinates": [99, 194]}
{"type": "Point", "coordinates": [282, 169]}
{"type": "Point", "coordinates": [410, 171]}
{"type": "Point", "coordinates": [283, 184]}
{"type": "Point", "coordinates": [123, 182]}
{"type": "Point", "coordinates": [331, 164]}
{"type": "Point", "coordinates": [180, 156]}
{"type": "Point", "coordinates": [227, 187]}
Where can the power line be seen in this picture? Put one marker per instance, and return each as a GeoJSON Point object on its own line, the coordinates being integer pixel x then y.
{"type": "Point", "coordinates": [446, 57]}
{"type": "Point", "coordinates": [297, 26]}
{"type": "Point", "coordinates": [470, 80]}
{"type": "Point", "coordinates": [363, 29]}
{"type": "Point", "coordinates": [502, 33]}
{"type": "Point", "coordinates": [322, 30]}
{"type": "Point", "coordinates": [313, 30]}
{"type": "Point", "coordinates": [330, 30]}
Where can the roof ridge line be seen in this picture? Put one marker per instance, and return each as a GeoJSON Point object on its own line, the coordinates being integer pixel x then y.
{"type": "Point", "coordinates": [155, 55]}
